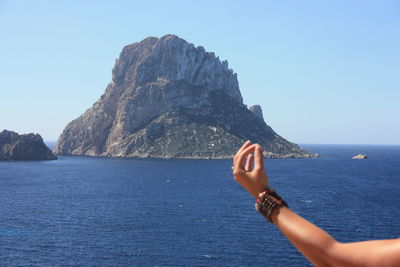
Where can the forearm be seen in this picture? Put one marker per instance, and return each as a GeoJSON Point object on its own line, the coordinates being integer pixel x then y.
{"type": "Point", "coordinates": [313, 242]}
{"type": "Point", "coordinates": [323, 250]}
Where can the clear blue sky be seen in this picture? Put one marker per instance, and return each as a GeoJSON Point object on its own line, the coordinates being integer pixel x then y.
{"type": "Point", "coordinates": [323, 71]}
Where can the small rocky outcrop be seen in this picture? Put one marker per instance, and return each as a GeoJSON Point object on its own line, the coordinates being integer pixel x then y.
{"type": "Point", "coordinates": [170, 99]}
{"type": "Point", "coordinates": [360, 156]}
{"type": "Point", "coordinates": [23, 147]}
{"type": "Point", "coordinates": [257, 111]}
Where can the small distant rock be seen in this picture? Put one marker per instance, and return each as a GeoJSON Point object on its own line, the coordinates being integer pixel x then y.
{"type": "Point", "coordinates": [23, 147]}
{"type": "Point", "coordinates": [360, 156]}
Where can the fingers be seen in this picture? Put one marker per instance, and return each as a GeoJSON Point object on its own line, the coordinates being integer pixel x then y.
{"type": "Point", "coordinates": [245, 144]}
{"type": "Point", "coordinates": [235, 161]}
{"type": "Point", "coordinates": [240, 158]}
{"type": "Point", "coordinates": [249, 162]}
{"type": "Point", "coordinates": [258, 157]}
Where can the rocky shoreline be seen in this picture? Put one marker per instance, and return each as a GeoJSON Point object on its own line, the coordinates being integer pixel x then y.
{"type": "Point", "coordinates": [266, 156]}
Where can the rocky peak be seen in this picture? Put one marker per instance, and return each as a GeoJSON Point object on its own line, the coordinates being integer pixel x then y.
{"type": "Point", "coordinates": [174, 59]}
{"type": "Point", "coordinates": [168, 98]}
{"type": "Point", "coordinates": [257, 111]}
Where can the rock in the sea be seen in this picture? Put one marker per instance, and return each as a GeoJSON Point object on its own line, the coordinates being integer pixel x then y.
{"type": "Point", "coordinates": [23, 147]}
{"type": "Point", "coordinates": [170, 99]}
{"type": "Point", "coordinates": [360, 156]}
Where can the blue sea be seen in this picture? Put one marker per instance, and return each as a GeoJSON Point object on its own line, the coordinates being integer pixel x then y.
{"type": "Point", "coordinates": [82, 211]}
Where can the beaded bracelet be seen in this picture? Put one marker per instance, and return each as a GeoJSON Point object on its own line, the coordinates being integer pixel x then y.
{"type": "Point", "coordinates": [267, 202]}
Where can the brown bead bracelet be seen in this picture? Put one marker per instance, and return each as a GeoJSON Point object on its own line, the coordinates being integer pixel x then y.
{"type": "Point", "coordinates": [267, 202]}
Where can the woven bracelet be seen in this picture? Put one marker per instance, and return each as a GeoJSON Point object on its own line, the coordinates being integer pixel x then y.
{"type": "Point", "coordinates": [267, 202]}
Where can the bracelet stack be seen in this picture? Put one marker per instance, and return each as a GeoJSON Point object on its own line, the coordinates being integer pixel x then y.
{"type": "Point", "coordinates": [267, 202]}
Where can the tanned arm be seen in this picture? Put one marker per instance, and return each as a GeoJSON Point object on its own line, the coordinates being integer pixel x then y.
{"type": "Point", "coordinates": [313, 242]}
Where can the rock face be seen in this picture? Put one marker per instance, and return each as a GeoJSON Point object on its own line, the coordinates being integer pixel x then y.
{"type": "Point", "coordinates": [360, 156]}
{"type": "Point", "coordinates": [170, 99]}
{"type": "Point", "coordinates": [23, 147]}
{"type": "Point", "coordinates": [257, 111]}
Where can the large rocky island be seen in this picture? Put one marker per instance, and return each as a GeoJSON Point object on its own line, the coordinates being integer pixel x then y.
{"type": "Point", "coordinates": [23, 147]}
{"type": "Point", "coordinates": [170, 99]}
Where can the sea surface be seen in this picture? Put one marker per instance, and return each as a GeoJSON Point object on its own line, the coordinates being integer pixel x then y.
{"type": "Point", "coordinates": [82, 211]}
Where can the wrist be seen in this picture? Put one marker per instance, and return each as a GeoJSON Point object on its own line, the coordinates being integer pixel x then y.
{"type": "Point", "coordinates": [256, 192]}
{"type": "Point", "coordinates": [269, 203]}
{"type": "Point", "coordinates": [275, 214]}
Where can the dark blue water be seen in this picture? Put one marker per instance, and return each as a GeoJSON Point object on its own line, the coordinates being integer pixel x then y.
{"type": "Point", "coordinates": [97, 211]}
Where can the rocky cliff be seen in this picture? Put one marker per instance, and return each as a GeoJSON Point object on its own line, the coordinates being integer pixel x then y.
{"type": "Point", "coordinates": [170, 99]}
{"type": "Point", "coordinates": [23, 147]}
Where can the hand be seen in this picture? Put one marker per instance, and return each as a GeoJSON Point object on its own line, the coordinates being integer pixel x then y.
{"type": "Point", "coordinates": [253, 178]}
